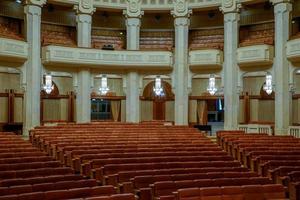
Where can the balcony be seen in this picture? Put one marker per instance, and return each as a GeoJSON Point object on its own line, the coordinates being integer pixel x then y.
{"type": "Point", "coordinates": [210, 59]}
{"type": "Point", "coordinates": [105, 59]}
{"type": "Point", "coordinates": [13, 51]}
{"type": "Point", "coordinates": [293, 50]}
{"type": "Point", "coordinates": [255, 56]}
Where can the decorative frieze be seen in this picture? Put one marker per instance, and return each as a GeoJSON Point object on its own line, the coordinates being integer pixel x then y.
{"type": "Point", "coordinates": [18, 50]}
{"type": "Point", "coordinates": [133, 9]}
{"type": "Point", "coordinates": [206, 59]}
{"type": "Point", "coordinates": [230, 6]}
{"type": "Point", "coordinates": [85, 7]}
{"type": "Point", "coordinates": [256, 55]}
{"type": "Point", "coordinates": [181, 9]}
{"type": "Point", "coordinates": [53, 55]}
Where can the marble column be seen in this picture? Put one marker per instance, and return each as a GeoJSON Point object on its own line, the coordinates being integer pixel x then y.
{"type": "Point", "coordinates": [133, 24]}
{"type": "Point", "coordinates": [181, 69]}
{"type": "Point", "coordinates": [83, 90]}
{"type": "Point", "coordinates": [283, 97]}
{"type": "Point", "coordinates": [230, 68]}
{"type": "Point", "coordinates": [33, 66]}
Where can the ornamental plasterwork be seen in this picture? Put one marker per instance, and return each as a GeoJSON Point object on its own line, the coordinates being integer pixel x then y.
{"type": "Point", "coordinates": [280, 1]}
{"type": "Point", "coordinates": [133, 9]}
{"type": "Point", "coordinates": [181, 9]}
{"type": "Point", "coordinates": [229, 6]}
{"type": "Point", "coordinates": [36, 2]}
{"type": "Point", "coordinates": [85, 7]}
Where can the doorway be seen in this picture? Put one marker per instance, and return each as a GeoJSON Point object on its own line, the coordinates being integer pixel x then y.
{"type": "Point", "coordinates": [159, 109]}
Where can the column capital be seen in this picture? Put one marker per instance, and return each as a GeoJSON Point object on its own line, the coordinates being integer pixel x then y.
{"type": "Point", "coordinates": [85, 7]}
{"type": "Point", "coordinates": [84, 18]}
{"type": "Point", "coordinates": [32, 9]}
{"type": "Point", "coordinates": [133, 9]}
{"type": "Point", "coordinates": [35, 2]}
{"type": "Point", "coordinates": [181, 21]}
{"type": "Point", "coordinates": [230, 6]}
{"type": "Point", "coordinates": [181, 9]}
{"type": "Point", "coordinates": [281, 6]}
{"type": "Point", "coordinates": [231, 17]}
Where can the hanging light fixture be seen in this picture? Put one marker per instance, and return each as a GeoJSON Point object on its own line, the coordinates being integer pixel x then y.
{"type": "Point", "coordinates": [103, 87]}
{"type": "Point", "coordinates": [158, 89]}
{"type": "Point", "coordinates": [48, 86]}
{"type": "Point", "coordinates": [212, 85]}
{"type": "Point", "coordinates": [268, 87]}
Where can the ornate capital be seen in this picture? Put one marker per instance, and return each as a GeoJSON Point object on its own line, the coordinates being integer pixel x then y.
{"type": "Point", "coordinates": [281, 6]}
{"type": "Point", "coordinates": [231, 17]}
{"type": "Point", "coordinates": [181, 9]}
{"type": "Point", "coordinates": [35, 2]}
{"type": "Point", "coordinates": [181, 21]}
{"type": "Point", "coordinates": [230, 6]}
{"type": "Point", "coordinates": [133, 22]}
{"type": "Point", "coordinates": [133, 9]}
{"type": "Point", "coordinates": [85, 7]}
{"type": "Point", "coordinates": [84, 18]}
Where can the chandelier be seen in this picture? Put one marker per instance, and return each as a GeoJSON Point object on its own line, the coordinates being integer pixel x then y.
{"type": "Point", "coordinates": [103, 86]}
{"type": "Point", "coordinates": [212, 85]}
{"type": "Point", "coordinates": [48, 86]}
{"type": "Point", "coordinates": [158, 89]}
{"type": "Point", "coordinates": [268, 87]}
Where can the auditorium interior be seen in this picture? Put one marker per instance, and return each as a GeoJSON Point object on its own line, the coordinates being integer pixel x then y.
{"type": "Point", "coordinates": [150, 99]}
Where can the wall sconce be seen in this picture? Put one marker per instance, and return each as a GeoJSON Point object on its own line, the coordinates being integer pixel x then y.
{"type": "Point", "coordinates": [103, 85]}
{"type": "Point", "coordinates": [268, 87]}
{"type": "Point", "coordinates": [212, 85]}
{"type": "Point", "coordinates": [158, 89]}
{"type": "Point", "coordinates": [48, 86]}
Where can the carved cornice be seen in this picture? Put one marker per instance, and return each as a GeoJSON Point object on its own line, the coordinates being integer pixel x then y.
{"type": "Point", "coordinates": [133, 9]}
{"type": "Point", "coordinates": [35, 2]}
{"type": "Point", "coordinates": [230, 6]}
{"type": "Point", "coordinates": [85, 7]}
{"type": "Point", "coordinates": [181, 9]}
{"type": "Point", "coordinates": [274, 2]}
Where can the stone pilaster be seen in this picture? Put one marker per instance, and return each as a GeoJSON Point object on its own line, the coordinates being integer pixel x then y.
{"type": "Point", "coordinates": [283, 97]}
{"type": "Point", "coordinates": [32, 10]}
{"type": "Point", "coordinates": [133, 15]}
{"type": "Point", "coordinates": [84, 11]}
{"type": "Point", "coordinates": [230, 9]}
{"type": "Point", "coordinates": [181, 14]}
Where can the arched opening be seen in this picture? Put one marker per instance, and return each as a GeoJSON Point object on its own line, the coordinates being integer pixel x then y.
{"type": "Point", "coordinates": [158, 102]}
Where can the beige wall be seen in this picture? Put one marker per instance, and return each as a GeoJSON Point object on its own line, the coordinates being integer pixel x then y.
{"type": "Point", "coordinates": [64, 84]}
{"type": "Point", "coordinates": [252, 85]}
{"type": "Point", "coordinates": [3, 109]}
{"type": "Point", "coordinates": [115, 85]}
{"type": "Point", "coordinates": [55, 109]}
{"type": "Point", "coordinates": [10, 81]}
{"type": "Point", "coordinates": [260, 110]}
{"type": "Point", "coordinates": [199, 86]}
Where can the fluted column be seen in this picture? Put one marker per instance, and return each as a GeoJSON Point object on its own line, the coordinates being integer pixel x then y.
{"type": "Point", "coordinates": [231, 13]}
{"type": "Point", "coordinates": [133, 16]}
{"type": "Point", "coordinates": [83, 89]}
{"type": "Point", "coordinates": [181, 67]}
{"type": "Point", "coordinates": [283, 98]}
{"type": "Point", "coordinates": [32, 10]}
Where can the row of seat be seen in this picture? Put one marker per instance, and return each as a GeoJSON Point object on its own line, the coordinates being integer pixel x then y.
{"type": "Point", "coordinates": [27, 173]}
{"type": "Point", "coordinates": [150, 161]}
{"type": "Point", "coordinates": [275, 157]}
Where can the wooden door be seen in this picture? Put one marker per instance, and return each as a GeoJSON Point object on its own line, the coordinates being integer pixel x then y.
{"type": "Point", "coordinates": [159, 109]}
